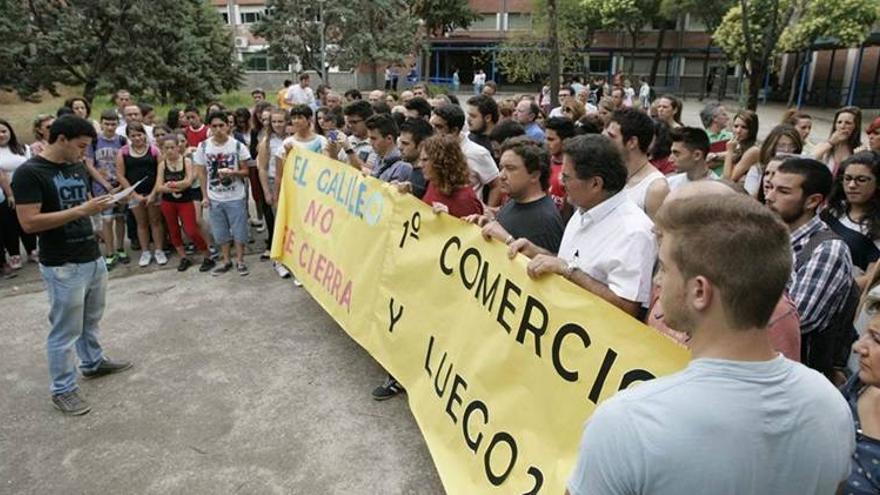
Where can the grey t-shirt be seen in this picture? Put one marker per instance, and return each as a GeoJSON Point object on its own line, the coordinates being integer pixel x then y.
{"type": "Point", "coordinates": [537, 221]}
{"type": "Point", "coordinates": [720, 427]}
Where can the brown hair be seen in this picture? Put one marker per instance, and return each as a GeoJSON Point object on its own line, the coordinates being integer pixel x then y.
{"type": "Point", "coordinates": [750, 119]}
{"type": "Point", "coordinates": [749, 290]}
{"type": "Point", "coordinates": [449, 169]}
{"type": "Point", "coordinates": [577, 108]}
{"type": "Point", "coordinates": [855, 139]}
{"type": "Point", "coordinates": [768, 147]}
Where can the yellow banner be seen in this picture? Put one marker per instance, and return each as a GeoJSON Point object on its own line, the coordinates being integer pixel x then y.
{"type": "Point", "coordinates": [501, 371]}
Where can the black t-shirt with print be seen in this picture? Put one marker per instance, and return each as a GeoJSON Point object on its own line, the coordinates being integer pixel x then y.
{"type": "Point", "coordinates": [58, 187]}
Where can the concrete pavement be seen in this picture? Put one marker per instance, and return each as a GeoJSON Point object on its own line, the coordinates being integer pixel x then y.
{"type": "Point", "coordinates": [240, 385]}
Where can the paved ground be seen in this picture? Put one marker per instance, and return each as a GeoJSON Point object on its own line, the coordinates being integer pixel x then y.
{"type": "Point", "coordinates": [240, 385]}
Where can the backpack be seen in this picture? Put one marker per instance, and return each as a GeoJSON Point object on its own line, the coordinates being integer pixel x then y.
{"type": "Point", "coordinates": [829, 348]}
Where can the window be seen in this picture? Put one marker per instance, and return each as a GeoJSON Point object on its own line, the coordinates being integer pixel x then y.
{"type": "Point", "coordinates": [517, 21]}
{"type": "Point", "coordinates": [484, 23]}
{"type": "Point", "coordinates": [250, 17]}
{"type": "Point", "coordinates": [261, 62]}
{"type": "Point", "coordinates": [225, 17]}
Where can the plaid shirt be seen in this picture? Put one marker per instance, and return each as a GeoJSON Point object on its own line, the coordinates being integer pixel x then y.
{"type": "Point", "coordinates": [819, 288]}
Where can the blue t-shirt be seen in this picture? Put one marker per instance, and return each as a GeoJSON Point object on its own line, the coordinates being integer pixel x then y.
{"type": "Point", "coordinates": [721, 427]}
{"type": "Point", "coordinates": [864, 479]}
{"type": "Point", "coordinates": [103, 152]}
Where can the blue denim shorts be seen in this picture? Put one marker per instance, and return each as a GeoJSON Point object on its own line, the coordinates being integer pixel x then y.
{"type": "Point", "coordinates": [229, 221]}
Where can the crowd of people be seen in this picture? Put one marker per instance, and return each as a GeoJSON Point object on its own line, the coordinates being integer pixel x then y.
{"type": "Point", "coordinates": [759, 256]}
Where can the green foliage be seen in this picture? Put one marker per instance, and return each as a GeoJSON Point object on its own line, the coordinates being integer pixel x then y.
{"type": "Point", "coordinates": [848, 21]}
{"type": "Point", "coordinates": [382, 31]}
{"type": "Point", "coordinates": [358, 31]}
{"type": "Point", "coordinates": [628, 15]}
{"type": "Point", "coordinates": [443, 16]}
{"type": "Point", "coordinates": [710, 13]}
{"type": "Point", "coordinates": [178, 50]}
{"type": "Point", "coordinates": [525, 56]}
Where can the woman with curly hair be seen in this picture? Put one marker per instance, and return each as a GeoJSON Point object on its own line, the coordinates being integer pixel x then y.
{"type": "Point", "coordinates": [853, 210]}
{"type": "Point", "coordinates": [446, 170]}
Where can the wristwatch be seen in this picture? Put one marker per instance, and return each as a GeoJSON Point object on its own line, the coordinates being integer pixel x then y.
{"type": "Point", "coordinates": [570, 268]}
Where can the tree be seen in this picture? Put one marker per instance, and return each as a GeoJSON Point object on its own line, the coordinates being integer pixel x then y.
{"type": "Point", "coordinates": [628, 15]}
{"type": "Point", "coordinates": [356, 32]}
{"type": "Point", "coordinates": [383, 31]}
{"type": "Point", "coordinates": [99, 44]}
{"type": "Point", "coordinates": [525, 56]}
{"type": "Point", "coordinates": [440, 17]}
{"type": "Point", "coordinates": [709, 13]}
{"type": "Point", "coordinates": [847, 21]}
{"type": "Point", "coordinates": [293, 31]}
{"type": "Point", "coordinates": [754, 31]}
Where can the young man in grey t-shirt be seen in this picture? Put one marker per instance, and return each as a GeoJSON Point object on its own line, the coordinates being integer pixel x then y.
{"type": "Point", "coordinates": [741, 418]}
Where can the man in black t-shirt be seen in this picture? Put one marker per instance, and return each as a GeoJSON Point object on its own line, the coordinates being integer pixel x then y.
{"type": "Point", "coordinates": [53, 201]}
{"type": "Point", "coordinates": [530, 212]}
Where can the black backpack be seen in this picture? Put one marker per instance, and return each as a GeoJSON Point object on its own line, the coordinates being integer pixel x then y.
{"type": "Point", "coordinates": [829, 348]}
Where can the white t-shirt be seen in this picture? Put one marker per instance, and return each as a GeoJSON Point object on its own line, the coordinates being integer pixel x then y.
{"type": "Point", "coordinates": [9, 161]}
{"type": "Point", "coordinates": [638, 193]}
{"type": "Point", "coordinates": [215, 156]}
{"type": "Point", "coordinates": [481, 164]}
{"type": "Point", "coordinates": [316, 145]}
{"type": "Point", "coordinates": [681, 179]}
{"type": "Point", "coordinates": [298, 95]}
{"type": "Point", "coordinates": [614, 243]}
{"type": "Point", "coordinates": [720, 427]}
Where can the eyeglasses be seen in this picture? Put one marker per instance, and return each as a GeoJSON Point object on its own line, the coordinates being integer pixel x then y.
{"type": "Point", "coordinates": [858, 179]}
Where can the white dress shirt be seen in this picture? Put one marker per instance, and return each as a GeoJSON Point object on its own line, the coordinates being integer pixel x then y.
{"type": "Point", "coordinates": [614, 243]}
{"type": "Point", "coordinates": [481, 164]}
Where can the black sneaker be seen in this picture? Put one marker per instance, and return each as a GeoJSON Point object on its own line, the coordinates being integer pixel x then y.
{"type": "Point", "coordinates": [207, 264]}
{"type": "Point", "coordinates": [107, 367]}
{"type": "Point", "coordinates": [189, 249]}
{"type": "Point", "coordinates": [221, 269]}
{"type": "Point", "coordinates": [71, 403]}
{"type": "Point", "coordinates": [242, 269]}
{"type": "Point", "coordinates": [184, 264]}
{"type": "Point", "coordinates": [387, 390]}
{"type": "Point", "coordinates": [122, 257]}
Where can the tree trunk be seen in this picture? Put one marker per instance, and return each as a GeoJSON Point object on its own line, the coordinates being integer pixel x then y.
{"type": "Point", "coordinates": [704, 92]}
{"type": "Point", "coordinates": [427, 71]}
{"type": "Point", "coordinates": [554, 53]}
{"type": "Point", "coordinates": [655, 64]}
{"type": "Point", "coordinates": [90, 89]}
{"type": "Point", "coordinates": [374, 75]}
{"type": "Point", "coordinates": [756, 79]}
{"type": "Point", "coordinates": [796, 78]}
{"type": "Point", "coordinates": [632, 52]}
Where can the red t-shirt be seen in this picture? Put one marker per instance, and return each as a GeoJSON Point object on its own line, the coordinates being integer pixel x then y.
{"type": "Point", "coordinates": [664, 165]}
{"type": "Point", "coordinates": [461, 203]}
{"type": "Point", "coordinates": [195, 138]}
{"type": "Point", "coordinates": [557, 190]}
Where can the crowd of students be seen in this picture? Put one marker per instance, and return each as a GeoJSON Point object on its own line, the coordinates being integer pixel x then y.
{"type": "Point", "coordinates": [755, 255]}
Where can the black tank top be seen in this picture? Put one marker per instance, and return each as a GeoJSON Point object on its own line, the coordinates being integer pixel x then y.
{"type": "Point", "coordinates": [177, 176]}
{"type": "Point", "coordinates": [141, 167]}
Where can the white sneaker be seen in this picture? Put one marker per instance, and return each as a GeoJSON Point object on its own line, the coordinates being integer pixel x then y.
{"type": "Point", "coordinates": [146, 257]}
{"type": "Point", "coordinates": [282, 270]}
{"type": "Point", "coordinates": [296, 282]}
{"type": "Point", "coordinates": [160, 257]}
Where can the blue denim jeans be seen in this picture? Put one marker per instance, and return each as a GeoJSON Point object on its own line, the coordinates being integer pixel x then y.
{"type": "Point", "coordinates": [229, 221]}
{"type": "Point", "coordinates": [76, 304]}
